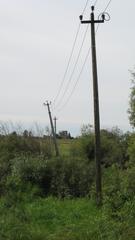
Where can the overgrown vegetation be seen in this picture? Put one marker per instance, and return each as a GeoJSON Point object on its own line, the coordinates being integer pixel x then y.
{"type": "Point", "coordinates": [44, 197]}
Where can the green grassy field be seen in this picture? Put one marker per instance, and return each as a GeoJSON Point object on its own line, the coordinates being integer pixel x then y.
{"type": "Point", "coordinates": [53, 219]}
{"type": "Point", "coordinates": [65, 145]}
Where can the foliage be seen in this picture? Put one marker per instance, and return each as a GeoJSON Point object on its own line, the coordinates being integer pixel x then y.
{"type": "Point", "coordinates": [29, 175]}
{"type": "Point", "coordinates": [131, 148]}
{"type": "Point", "coordinates": [131, 109]}
{"type": "Point", "coordinates": [86, 129]}
{"type": "Point", "coordinates": [72, 177]}
{"type": "Point", "coordinates": [67, 177]}
{"type": "Point", "coordinates": [14, 144]}
{"type": "Point", "coordinates": [114, 146]}
{"type": "Point", "coordinates": [54, 219]}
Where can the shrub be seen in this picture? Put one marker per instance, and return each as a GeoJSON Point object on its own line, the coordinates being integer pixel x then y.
{"type": "Point", "coordinates": [72, 177]}
{"type": "Point", "coordinates": [113, 147]}
{"type": "Point", "coordinates": [57, 176]}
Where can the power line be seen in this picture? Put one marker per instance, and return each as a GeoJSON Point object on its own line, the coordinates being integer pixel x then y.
{"type": "Point", "coordinates": [65, 73]}
{"type": "Point", "coordinates": [95, 3]}
{"type": "Point", "coordinates": [78, 78]}
{"type": "Point", "coordinates": [75, 85]}
{"type": "Point", "coordinates": [79, 52]}
{"type": "Point", "coordinates": [70, 57]}
{"type": "Point", "coordinates": [97, 28]}
{"type": "Point", "coordinates": [108, 5]}
{"type": "Point", "coordinates": [69, 97]}
{"type": "Point", "coordinates": [74, 68]}
{"type": "Point", "coordinates": [85, 6]}
{"type": "Point", "coordinates": [103, 13]}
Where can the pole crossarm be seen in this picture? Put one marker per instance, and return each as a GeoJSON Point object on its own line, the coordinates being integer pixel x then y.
{"type": "Point", "coordinates": [88, 21]}
{"type": "Point", "coordinates": [92, 18]}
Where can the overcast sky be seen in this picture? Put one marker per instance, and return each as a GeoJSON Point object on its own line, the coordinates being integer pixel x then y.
{"type": "Point", "coordinates": [36, 38]}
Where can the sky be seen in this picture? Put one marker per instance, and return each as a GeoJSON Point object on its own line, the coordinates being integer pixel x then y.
{"type": "Point", "coordinates": [36, 38]}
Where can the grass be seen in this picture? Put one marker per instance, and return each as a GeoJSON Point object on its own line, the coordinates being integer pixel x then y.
{"type": "Point", "coordinates": [63, 219]}
{"type": "Point", "coordinates": [65, 146]}
{"type": "Point", "coordinates": [54, 219]}
{"type": "Point", "coordinates": [49, 219]}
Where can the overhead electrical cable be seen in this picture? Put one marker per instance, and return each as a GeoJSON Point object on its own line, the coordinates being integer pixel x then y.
{"type": "Point", "coordinates": [74, 68]}
{"type": "Point", "coordinates": [65, 73]}
{"type": "Point", "coordinates": [85, 7]}
{"type": "Point", "coordinates": [78, 78]}
{"type": "Point", "coordinates": [75, 85]}
{"type": "Point", "coordinates": [70, 57]}
{"type": "Point", "coordinates": [103, 13]}
{"type": "Point", "coordinates": [107, 5]}
{"type": "Point", "coordinates": [95, 3]}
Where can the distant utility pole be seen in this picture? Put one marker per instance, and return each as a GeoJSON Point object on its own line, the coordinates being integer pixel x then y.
{"type": "Point", "coordinates": [52, 127]}
{"type": "Point", "coordinates": [92, 21]}
{"type": "Point", "coordinates": [55, 125]}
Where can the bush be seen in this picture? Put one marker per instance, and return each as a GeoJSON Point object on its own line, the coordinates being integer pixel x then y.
{"type": "Point", "coordinates": [14, 144]}
{"type": "Point", "coordinates": [62, 177]}
{"type": "Point", "coordinates": [16, 149]}
{"type": "Point", "coordinates": [72, 177]}
{"type": "Point", "coordinates": [119, 190]}
{"type": "Point", "coordinates": [114, 146]}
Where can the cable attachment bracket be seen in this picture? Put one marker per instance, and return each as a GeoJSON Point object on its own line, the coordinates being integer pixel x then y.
{"type": "Point", "coordinates": [104, 16]}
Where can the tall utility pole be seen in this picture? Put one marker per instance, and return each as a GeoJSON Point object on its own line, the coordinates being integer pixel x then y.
{"type": "Point", "coordinates": [55, 125]}
{"type": "Point", "coordinates": [92, 21]}
{"type": "Point", "coordinates": [52, 127]}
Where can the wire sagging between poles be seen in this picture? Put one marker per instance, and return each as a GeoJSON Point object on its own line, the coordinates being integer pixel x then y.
{"type": "Point", "coordinates": [74, 68]}
{"type": "Point", "coordinates": [75, 85]}
{"type": "Point", "coordinates": [70, 57]}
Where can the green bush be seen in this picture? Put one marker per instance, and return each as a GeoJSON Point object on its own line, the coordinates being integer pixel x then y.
{"type": "Point", "coordinates": [72, 177]}
{"type": "Point", "coordinates": [62, 177]}
{"type": "Point", "coordinates": [14, 144]}
{"type": "Point", "coordinates": [16, 150]}
{"type": "Point", "coordinates": [119, 191]}
{"type": "Point", "coordinates": [114, 146]}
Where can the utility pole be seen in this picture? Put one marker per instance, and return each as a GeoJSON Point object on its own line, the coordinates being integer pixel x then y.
{"type": "Point", "coordinates": [52, 127]}
{"type": "Point", "coordinates": [55, 125]}
{"type": "Point", "coordinates": [92, 21]}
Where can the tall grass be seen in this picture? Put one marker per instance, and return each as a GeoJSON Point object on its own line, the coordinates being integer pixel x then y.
{"type": "Point", "coordinates": [54, 219]}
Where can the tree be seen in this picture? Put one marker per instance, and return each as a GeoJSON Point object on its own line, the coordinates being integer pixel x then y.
{"type": "Point", "coordinates": [131, 109]}
{"type": "Point", "coordinates": [114, 146]}
{"type": "Point", "coordinates": [86, 129]}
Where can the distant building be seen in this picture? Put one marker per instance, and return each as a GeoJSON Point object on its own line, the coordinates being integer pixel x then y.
{"type": "Point", "coordinates": [64, 135]}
